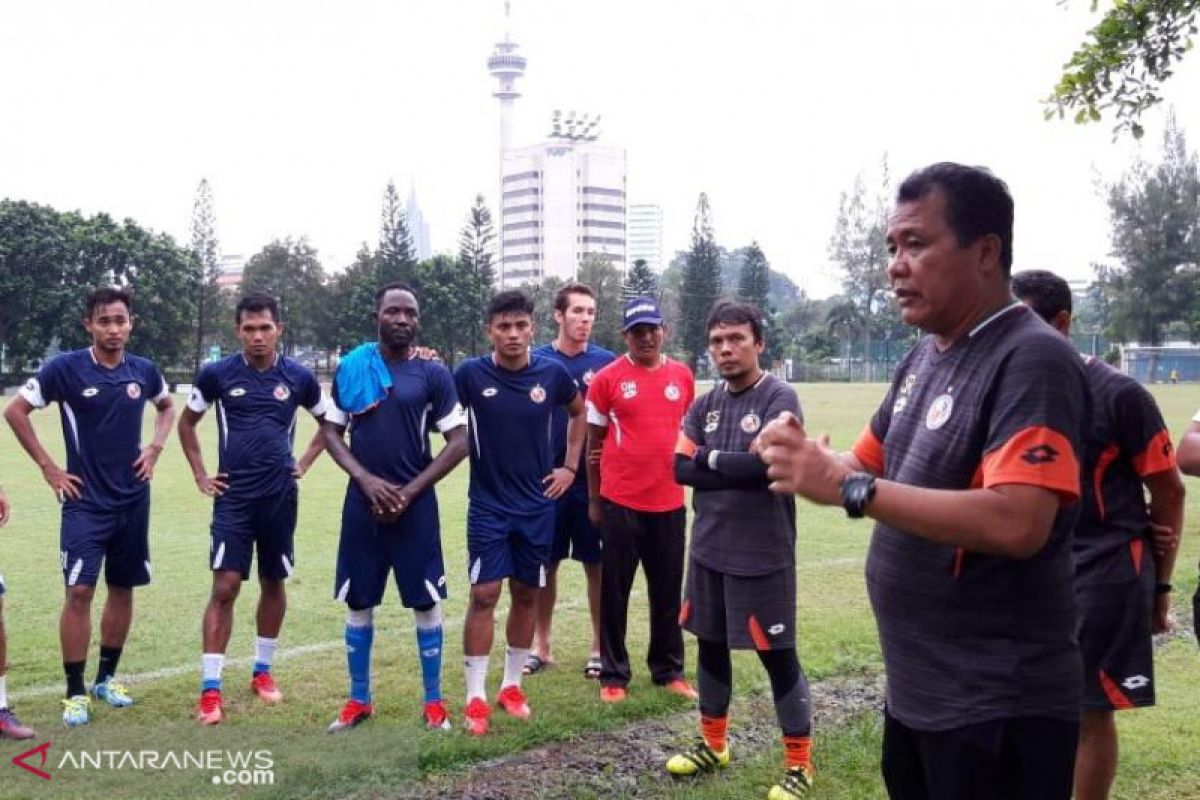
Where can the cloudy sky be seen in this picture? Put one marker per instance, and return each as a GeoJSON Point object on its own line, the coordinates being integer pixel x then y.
{"type": "Point", "coordinates": [298, 112]}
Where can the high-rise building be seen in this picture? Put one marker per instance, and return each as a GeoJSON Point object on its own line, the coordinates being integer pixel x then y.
{"type": "Point", "coordinates": [645, 235]}
{"type": "Point", "coordinates": [562, 203]}
{"type": "Point", "coordinates": [229, 278]}
{"type": "Point", "coordinates": [418, 229]}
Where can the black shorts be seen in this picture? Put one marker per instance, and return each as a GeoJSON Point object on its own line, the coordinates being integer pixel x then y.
{"type": "Point", "coordinates": [1117, 645]}
{"type": "Point", "coordinates": [241, 525]}
{"type": "Point", "coordinates": [746, 613]}
{"type": "Point", "coordinates": [1022, 758]}
{"type": "Point", "coordinates": [118, 540]}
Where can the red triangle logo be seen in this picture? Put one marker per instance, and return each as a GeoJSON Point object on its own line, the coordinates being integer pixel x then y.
{"type": "Point", "coordinates": [39, 750]}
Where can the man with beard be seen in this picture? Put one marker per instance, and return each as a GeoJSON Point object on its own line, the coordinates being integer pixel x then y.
{"type": "Point", "coordinates": [388, 398]}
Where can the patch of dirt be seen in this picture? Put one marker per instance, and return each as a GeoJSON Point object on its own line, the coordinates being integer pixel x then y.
{"type": "Point", "coordinates": [628, 762]}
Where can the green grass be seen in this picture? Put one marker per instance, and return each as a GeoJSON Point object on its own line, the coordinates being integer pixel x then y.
{"type": "Point", "coordinates": [837, 638]}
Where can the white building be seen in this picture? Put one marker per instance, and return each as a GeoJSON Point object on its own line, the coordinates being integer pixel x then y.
{"type": "Point", "coordinates": [562, 202]}
{"type": "Point", "coordinates": [645, 235]}
{"type": "Point", "coordinates": [231, 269]}
{"type": "Point", "coordinates": [418, 229]}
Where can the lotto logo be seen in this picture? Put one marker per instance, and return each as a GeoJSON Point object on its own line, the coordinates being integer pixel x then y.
{"type": "Point", "coordinates": [1135, 682]}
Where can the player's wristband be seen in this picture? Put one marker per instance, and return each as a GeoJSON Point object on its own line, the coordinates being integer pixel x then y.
{"type": "Point", "coordinates": [858, 489]}
{"type": "Point", "coordinates": [1163, 588]}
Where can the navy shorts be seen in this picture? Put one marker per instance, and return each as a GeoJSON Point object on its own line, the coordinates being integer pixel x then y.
{"type": "Point", "coordinates": [574, 533]}
{"type": "Point", "coordinates": [1117, 644]}
{"type": "Point", "coordinates": [502, 545]}
{"type": "Point", "coordinates": [240, 524]}
{"type": "Point", "coordinates": [120, 540]}
{"type": "Point", "coordinates": [744, 612]}
{"type": "Point", "coordinates": [411, 548]}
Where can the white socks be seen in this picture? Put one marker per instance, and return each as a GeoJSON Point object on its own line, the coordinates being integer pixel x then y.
{"type": "Point", "coordinates": [3, 691]}
{"type": "Point", "coordinates": [211, 665]}
{"type": "Point", "coordinates": [264, 651]}
{"type": "Point", "coordinates": [476, 669]}
{"type": "Point", "coordinates": [514, 665]}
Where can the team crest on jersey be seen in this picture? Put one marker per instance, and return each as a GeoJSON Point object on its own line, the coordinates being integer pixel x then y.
{"type": "Point", "coordinates": [672, 392]}
{"type": "Point", "coordinates": [751, 423]}
{"type": "Point", "coordinates": [899, 405]}
{"type": "Point", "coordinates": [909, 382]}
{"type": "Point", "coordinates": [537, 394]}
{"type": "Point", "coordinates": [587, 377]}
{"type": "Point", "coordinates": [711, 420]}
{"type": "Point", "coordinates": [282, 392]}
{"type": "Point", "coordinates": [238, 392]}
{"type": "Point", "coordinates": [91, 391]}
{"type": "Point", "coordinates": [939, 412]}
{"type": "Point", "coordinates": [133, 390]}
{"type": "Point", "coordinates": [628, 389]}
{"type": "Point", "coordinates": [489, 391]}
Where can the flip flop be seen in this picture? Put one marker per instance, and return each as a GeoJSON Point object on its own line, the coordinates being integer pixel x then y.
{"type": "Point", "coordinates": [591, 670]}
{"type": "Point", "coordinates": [534, 664]}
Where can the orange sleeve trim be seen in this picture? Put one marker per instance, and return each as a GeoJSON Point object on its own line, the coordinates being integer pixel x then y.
{"type": "Point", "coordinates": [684, 446]}
{"type": "Point", "coordinates": [869, 450]}
{"type": "Point", "coordinates": [1159, 456]}
{"type": "Point", "coordinates": [1035, 456]}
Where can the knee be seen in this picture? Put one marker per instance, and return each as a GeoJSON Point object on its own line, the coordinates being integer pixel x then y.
{"type": "Point", "coordinates": [272, 590]}
{"type": "Point", "coordinates": [484, 598]}
{"type": "Point", "coordinates": [523, 596]}
{"type": "Point", "coordinates": [79, 598]}
{"type": "Point", "coordinates": [224, 592]}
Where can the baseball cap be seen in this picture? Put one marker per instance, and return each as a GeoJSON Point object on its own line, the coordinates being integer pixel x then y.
{"type": "Point", "coordinates": [641, 311]}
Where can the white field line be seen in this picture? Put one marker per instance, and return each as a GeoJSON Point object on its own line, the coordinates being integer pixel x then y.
{"type": "Point", "coordinates": [194, 667]}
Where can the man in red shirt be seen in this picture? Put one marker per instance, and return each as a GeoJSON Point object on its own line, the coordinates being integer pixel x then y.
{"type": "Point", "coordinates": [635, 406]}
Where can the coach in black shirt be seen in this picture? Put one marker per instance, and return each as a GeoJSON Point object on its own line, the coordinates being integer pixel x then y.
{"type": "Point", "coordinates": [970, 469]}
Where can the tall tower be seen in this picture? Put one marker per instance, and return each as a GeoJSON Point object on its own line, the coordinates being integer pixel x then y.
{"type": "Point", "coordinates": [505, 65]}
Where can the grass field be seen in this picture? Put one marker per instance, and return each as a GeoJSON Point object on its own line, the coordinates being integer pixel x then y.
{"type": "Point", "coordinates": [392, 751]}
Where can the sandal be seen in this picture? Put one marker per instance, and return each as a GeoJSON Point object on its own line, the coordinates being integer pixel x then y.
{"type": "Point", "coordinates": [591, 670]}
{"type": "Point", "coordinates": [535, 664]}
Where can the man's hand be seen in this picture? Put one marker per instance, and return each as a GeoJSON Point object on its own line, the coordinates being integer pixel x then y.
{"type": "Point", "coordinates": [559, 480]}
{"type": "Point", "coordinates": [64, 484]}
{"type": "Point", "coordinates": [387, 499]}
{"type": "Point", "coordinates": [144, 466]}
{"type": "Point", "coordinates": [797, 464]}
{"type": "Point", "coordinates": [3, 509]}
{"type": "Point", "coordinates": [1160, 621]}
{"type": "Point", "coordinates": [1163, 539]}
{"type": "Point", "coordinates": [595, 511]}
{"type": "Point", "coordinates": [299, 470]}
{"type": "Point", "coordinates": [212, 485]}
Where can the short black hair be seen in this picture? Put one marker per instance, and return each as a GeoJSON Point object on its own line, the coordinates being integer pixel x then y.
{"type": "Point", "coordinates": [395, 286]}
{"type": "Point", "coordinates": [106, 295]}
{"type": "Point", "coordinates": [1047, 293]}
{"type": "Point", "coordinates": [255, 303]}
{"type": "Point", "coordinates": [726, 312]}
{"type": "Point", "coordinates": [977, 203]}
{"type": "Point", "coordinates": [563, 298]}
{"type": "Point", "coordinates": [513, 301]}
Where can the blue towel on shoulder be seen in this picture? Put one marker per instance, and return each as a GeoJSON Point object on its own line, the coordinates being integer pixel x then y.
{"type": "Point", "coordinates": [363, 379]}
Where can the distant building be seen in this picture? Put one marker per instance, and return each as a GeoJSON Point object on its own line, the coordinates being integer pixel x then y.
{"type": "Point", "coordinates": [418, 229]}
{"type": "Point", "coordinates": [562, 202]}
{"type": "Point", "coordinates": [645, 235]}
{"type": "Point", "coordinates": [230, 277]}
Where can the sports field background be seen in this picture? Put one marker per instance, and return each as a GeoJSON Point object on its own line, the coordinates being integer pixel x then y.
{"type": "Point", "coordinates": [1159, 746]}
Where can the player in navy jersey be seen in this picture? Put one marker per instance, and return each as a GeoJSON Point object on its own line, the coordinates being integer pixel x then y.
{"type": "Point", "coordinates": [1124, 546]}
{"type": "Point", "coordinates": [390, 398]}
{"type": "Point", "coordinates": [510, 396]}
{"type": "Point", "coordinates": [101, 392]}
{"type": "Point", "coordinates": [10, 726]}
{"type": "Point", "coordinates": [256, 393]}
{"type": "Point", "coordinates": [574, 535]}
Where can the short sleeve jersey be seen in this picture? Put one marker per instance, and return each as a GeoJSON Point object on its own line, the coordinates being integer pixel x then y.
{"type": "Point", "coordinates": [1128, 441]}
{"type": "Point", "coordinates": [582, 368]}
{"type": "Point", "coordinates": [969, 637]}
{"type": "Point", "coordinates": [643, 410]}
{"type": "Point", "coordinates": [740, 531]}
{"type": "Point", "coordinates": [256, 419]}
{"type": "Point", "coordinates": [391, 439]}
{"type": "Point", "coordinates": [101, 410]}
{"type": "Point", "coordinates": [510, 430]}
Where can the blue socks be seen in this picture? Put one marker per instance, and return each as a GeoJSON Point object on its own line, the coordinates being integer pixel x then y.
{"type": "Point", "coordinates": [358, 660]}
{"type": "Point", "coordinates": [429, 643]}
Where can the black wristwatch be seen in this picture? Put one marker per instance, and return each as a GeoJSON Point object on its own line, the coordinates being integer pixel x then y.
{"type": "Point", "coordinates": [1163, 588]}
{"type": "Point", "coordinates": [858, 489]}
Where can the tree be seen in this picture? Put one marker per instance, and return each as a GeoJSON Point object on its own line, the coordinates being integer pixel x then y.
{"type": "Point", "coordinates": [476, 245]}
{"type": "Point", "coordinates": [395, 256]}
{"type": "Point", "coordinates": [1155, 215]}
{"type": "Point", "coordinates": [352, 297]}
{"type": "Point", "coordinates": [1124, 62]}
{"type": "Point", "coordinates": [449, 313]}
{"type": "Point", "coordinates": [640, 281]}
{"type": "Point", "coordinates": [858, 248]}
{"type": "Point", "coordinates": [207, 259]}
{"type": "Point", "coordinates": [754, 280]}
{"type": "Point", "coordinates": [701, 285]}
{"type": "Point", "coordinates": [542, 294]}
{"type": "Point", "coordinates": [291, 271]}
{"type": "Point", "coordinates": [605, 280]}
